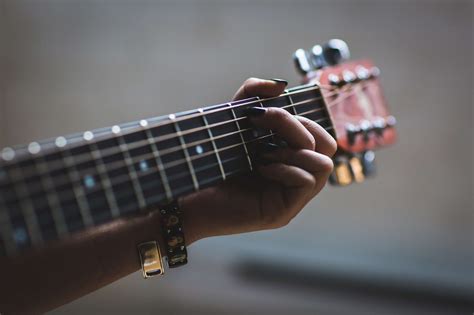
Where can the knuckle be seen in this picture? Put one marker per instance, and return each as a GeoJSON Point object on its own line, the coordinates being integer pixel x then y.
{"type": "Point", "coordinates": [276, 220]}
{"type": "Point", "coordinates": [327, 165]}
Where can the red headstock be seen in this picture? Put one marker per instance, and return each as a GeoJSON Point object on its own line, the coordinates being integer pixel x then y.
{"type": "Point", "coordinates": [355, 102]}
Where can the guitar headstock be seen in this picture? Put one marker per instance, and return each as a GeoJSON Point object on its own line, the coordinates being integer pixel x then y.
{"type": "Point", "coordinates": [356, 105]}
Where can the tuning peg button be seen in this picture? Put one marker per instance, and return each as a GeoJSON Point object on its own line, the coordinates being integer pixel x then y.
{"type": "Point", "coordinates": [335, 51]}
{"type": "Point", "coordinates": [352, 132]}
{"type": "Point", "coordinates": [368, 163]}
{"type": "Point", "coordinates": [357, 169]}
{"type": "Point", "coordinates": [342, 175]}
{"type": "Point", "coordinates": [302, 62]}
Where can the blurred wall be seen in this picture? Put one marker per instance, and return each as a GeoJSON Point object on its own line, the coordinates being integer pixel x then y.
{"type": "Point", "coordinates": [75, 65]}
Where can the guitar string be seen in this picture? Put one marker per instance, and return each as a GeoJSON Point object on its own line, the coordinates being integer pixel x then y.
{"type": "Point", "coordinates": [85, 158]}
{"type": "Point", "coordinates": [248, 101]}
{"type": "Point", "coordinates": [329, 105]}
{"type": "Point", "coordinates": [149, 157]}
{"type": "Point", "coordinates": [177, 176]}
{"type": "Point", "coordinates": [109, 152]}
{"type": "Point", "coordinates": [178, 162]}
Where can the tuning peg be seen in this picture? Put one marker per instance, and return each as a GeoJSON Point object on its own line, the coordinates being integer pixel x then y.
{"type": "Point", "coordinates": [335, 51]}
{"type": "Point", "coordinates": [368, 163]}
{"type": "Point", "coordinates": [357, 169]}
{"type": "Point", "coordinates": [317, 57]}
{"type": "Point", "coordinates": [302, 61]}
{"type": "Point", "coordinates": [341, 175]}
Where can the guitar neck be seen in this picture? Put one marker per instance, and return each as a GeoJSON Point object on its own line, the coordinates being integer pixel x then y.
{"type": "Point", "coordinates": [53, 188]}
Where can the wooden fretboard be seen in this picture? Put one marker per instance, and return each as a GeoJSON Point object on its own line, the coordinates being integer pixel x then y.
{"type": "Point", "coordinates": [50, 189]}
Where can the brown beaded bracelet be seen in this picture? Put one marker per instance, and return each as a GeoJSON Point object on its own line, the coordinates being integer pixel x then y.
{"type": "Point", "coordinates": [173, 235]}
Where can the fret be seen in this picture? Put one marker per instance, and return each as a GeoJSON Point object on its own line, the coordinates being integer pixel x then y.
{"type": "Point", "coordinates": [240, 134]}
{"type": "Point", "coordinates": [291, 109]}
{"type": "Point", "coordinates": [249, 132]}
{"type": "Point", "coordinates": [104, 179]}
{"type": "Point", "coordinates": [18, 236]}
{"type": "Point", "coordinates": [201, 151]}
{"type": "Point", "coordinates": [124, 141]}
{"type": "Point", "coordinates": [82, 181]}
{"type": "Point", "coordinates": [118, 170]}
{"type": "Point", "coordinates": [308, 101]}
{"type": "Point", "coordinates": [159, 164]}
{"type": "Point", "coordinates": [214, 147]}
{"type": "Point", "coordinates": [227, 140]}
{"type": "Point", "coordinates": [26, 205]}
{"type": "Point", "coordinates": [51, 196]}
{"type": "Point", "coordinates": [69, 203]}
{"type": "Point", "coordinates": [144, 165]}
{"type": "Point", "coordinates": [179, 176]}
{"type": "Point", "coordinates": [186, 153]}
{"type": "Point", "coordinates": [6, 230]}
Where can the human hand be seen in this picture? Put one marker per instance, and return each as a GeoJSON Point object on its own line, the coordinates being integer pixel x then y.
{"type": "Point", "coordinates": [277, 191]}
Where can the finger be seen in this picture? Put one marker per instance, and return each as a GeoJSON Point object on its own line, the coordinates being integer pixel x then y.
{"type": "Point", "coordinates": [318, 165]}
{"type": "Point", "coordinates": [284, 124]}
{"type": "Point", "coordinates": [288, 175]}
{"type": "Point", "coordinates": [325, 143]}
{"type": "Point", "coordinates": [299, 187]}
{"type": "Point", "coordinates": [259, 87]}
{"type": "Point", "coordinates": [312, 162]}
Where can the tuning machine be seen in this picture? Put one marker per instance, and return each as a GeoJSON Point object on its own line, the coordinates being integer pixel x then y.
{"type": "Point", "coordinates": [352, 168]}
{"type": "Point", "coordinates": [334, 52]}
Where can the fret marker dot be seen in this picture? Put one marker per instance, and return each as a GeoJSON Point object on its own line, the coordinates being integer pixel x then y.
{"type": "Point", "coordinates": [8, 154]}
{"type": "Point", "coordinates": [116, 129]}
{"type": "Point", "coordinates": [88, 136]}
{"type": "Point", "coordinates": [143, 123]}
{"type": "Point", "coordinates": [199, 149]}
{"type": "Point", "coordinates": [143, 166]}
{"type": "Point", "coordinates": [20, 236]}
{"type": "Point", "coordinates": [89, 181]}
{"type": "Point", "coordinates": [172, 116]}
{"type": "Point", "coordinates": [60, 142]}
{"type": "Point", "coordinates": [34, 147]}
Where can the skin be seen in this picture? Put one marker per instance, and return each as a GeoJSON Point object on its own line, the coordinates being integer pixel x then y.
{"type": "Point", "coordinates": [45, 278]}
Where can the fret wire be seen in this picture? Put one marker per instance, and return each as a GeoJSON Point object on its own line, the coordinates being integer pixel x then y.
{"type": "Point", "coordinates": [159, 163]}
{"type": "Point", "coordinates": [179, 162]}
{"type": "Point", "coordinates": [241, 137]}
{"type": "Point", "coordinates": [157, 197]}
{"type": "Point", "coordinates": [186, 154]}
{"type": "Point", "coordinates": [53, 201]}
{"type": "Point", "coordinates": [235, 172]}
{"type": "Point", "coordinates": [113, 151]}
{"type": "Point", "coordinates": [291, 103]}
{"type": "Point", "coordinates": [120, 164]}
{"type": "Point", "coordinates": [105, 180]}
{"type": "Point", "coordinates": [271, 131]}
{"type": "Point", "coordinates": [132, 173]}
{"type": "Point", "coordinates": [27, 210]}
{"type": "Point", "coordinates": [6, 231]}
{"type": "Point", "coordinates": [213, 142]}
{"type": "Point", "coordinates": [79, 193]}
{"type": "Point", "coordinates": [291, 91]}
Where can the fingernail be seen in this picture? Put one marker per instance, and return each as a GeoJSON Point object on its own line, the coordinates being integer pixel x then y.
{"type": "Point", "coordinates": [280, 81]}
{"type": "Point", "coordinates": [267, 147]}
{"type": "Point", "coordinates": [256, 111]}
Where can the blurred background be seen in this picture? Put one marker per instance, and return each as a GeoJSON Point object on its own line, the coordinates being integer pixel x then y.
{"type": "Point", "coordinates": [402, 242]}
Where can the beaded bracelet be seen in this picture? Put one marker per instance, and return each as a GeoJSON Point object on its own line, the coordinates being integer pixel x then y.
{"type": "Point", "coordinates": [173, 235]}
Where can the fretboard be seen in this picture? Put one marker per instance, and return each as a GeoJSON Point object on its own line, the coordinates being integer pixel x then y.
{"type": "Point", "coordinates": [53, 188]}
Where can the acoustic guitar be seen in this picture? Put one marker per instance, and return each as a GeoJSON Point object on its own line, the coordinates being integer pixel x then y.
{"type": "Point", "coordinates": [51, 189]}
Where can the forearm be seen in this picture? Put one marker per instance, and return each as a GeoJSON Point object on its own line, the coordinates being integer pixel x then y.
{"type": "Point", "coordinates": [45, 279]}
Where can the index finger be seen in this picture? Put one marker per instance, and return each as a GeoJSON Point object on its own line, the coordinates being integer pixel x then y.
{"type": "Point", "coordinates": [284, 124]}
